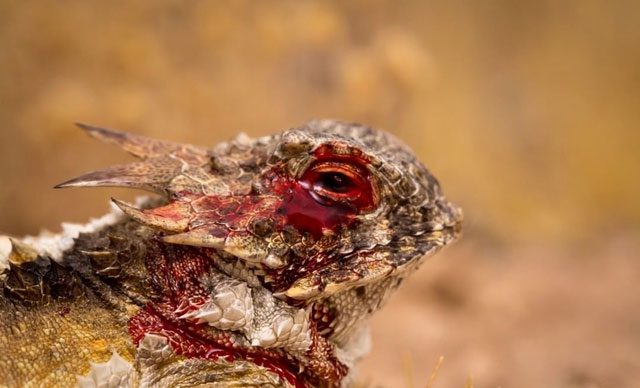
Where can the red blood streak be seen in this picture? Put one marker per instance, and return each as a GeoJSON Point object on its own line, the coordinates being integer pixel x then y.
{"type": "Point", "coordinates": [175, 274]}
{"type": "Point", "coordinates": [306, 214]}
{"type": "Point", "coordinates": [189, 341]}
{"type": "Point", "coordinates": [313, 203]}
{"type": "Point", "coordinates": [312, 208]}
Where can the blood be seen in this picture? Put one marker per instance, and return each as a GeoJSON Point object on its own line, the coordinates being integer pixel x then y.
{"type": "Point", "coordinates": [175, 276]}
{"type": "Point", "coordinates": [233, 211]}
{"type": "Point", "coordinates": [311, 203]}
{"type": "Point", "coordinates": [192, 342]}
{"type": "Point", "coordinates": [309, 212]}
{"type": "Point", "coordinates": [176, 271]}
{"type": "Point", "coordinates": [306, 214]}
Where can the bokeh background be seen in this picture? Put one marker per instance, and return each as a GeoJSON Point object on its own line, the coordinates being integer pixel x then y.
{"type": "Point", "coordinates": [527, 111]}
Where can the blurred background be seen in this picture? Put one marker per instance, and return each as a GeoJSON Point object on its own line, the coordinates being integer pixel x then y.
{"type": "Point", "coordinates": [527, 112]}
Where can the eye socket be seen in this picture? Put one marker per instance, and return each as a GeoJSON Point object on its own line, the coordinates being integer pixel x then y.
{"type": "Point", "coordinates": [339, 182]}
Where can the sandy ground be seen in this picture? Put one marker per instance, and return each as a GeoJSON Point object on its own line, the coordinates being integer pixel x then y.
{"type": "Point", "coordinates": [521, 317]}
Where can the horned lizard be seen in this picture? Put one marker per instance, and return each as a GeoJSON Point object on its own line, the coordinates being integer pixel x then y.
{"type": "Point", "coordinates": [257, 264]}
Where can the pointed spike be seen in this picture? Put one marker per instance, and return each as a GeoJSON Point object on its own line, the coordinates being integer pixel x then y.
{"type": "Point", "coordinates": [152, 175]}
{"type": "Point", "coordinates": [91, 179]}
{"type": "Point", "coordinates": [162, 163]}
{"type": "Point", "coordinates": [333, 288]}
{"type": "Point", "coordinates": [246, 246]}
{"type": "Point", "coordinates": [155, 220]}
{"type": "Point", "coordinates": [358, 270]}
{"type": "Point", "coordinates": [196, 238]}
{"type": "Point", "coordinates": [140, 146]}
{"type": "Point", "coordinates": [104, 134]}
{"type": "Point", "coordinates": [303, 289]}
{"type": "Point", "coordinates": [130, 210]}
{"type": "Point", "coordinates": [21, 252]}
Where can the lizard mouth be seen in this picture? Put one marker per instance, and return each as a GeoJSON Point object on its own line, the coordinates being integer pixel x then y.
{"type": "Point", "coordinates": [250, 237]}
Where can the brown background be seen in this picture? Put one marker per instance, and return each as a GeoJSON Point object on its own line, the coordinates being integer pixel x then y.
{"type": "Point", "coordinates": [528, 112]}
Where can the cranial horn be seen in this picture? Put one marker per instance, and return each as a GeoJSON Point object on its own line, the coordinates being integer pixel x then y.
{"type": "Point", "coordinates": [162, 162]}
{"type": "Point", "coordinates": [152, 175]}
{"type": "Point", "coordinates": [139, 146]}
{"type": "Point", "coordinates": [173, 217]}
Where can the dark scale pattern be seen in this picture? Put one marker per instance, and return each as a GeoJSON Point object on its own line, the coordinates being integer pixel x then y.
{"type": "Point", "coordinates": [40, 281]}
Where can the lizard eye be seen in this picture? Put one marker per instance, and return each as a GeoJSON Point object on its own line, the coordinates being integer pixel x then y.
{"type": "Point", "coordinates": [337, 181]}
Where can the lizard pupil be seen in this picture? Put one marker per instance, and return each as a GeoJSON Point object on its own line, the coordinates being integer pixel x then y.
{"type": "Point", "coordinates": [336, 182]}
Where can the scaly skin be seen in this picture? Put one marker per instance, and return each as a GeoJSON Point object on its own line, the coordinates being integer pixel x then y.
{"type": "Point", "coordinates": [258, 264]}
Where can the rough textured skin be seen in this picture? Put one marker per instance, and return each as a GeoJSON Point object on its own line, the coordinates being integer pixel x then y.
{"type": "Point", "coordinates": [257, 264]}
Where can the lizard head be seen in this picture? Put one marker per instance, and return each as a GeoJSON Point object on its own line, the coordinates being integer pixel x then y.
{"type": "Point", "coordinates": [310, 212]}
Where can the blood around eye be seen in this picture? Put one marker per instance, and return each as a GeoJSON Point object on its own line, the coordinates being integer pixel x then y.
{"type": "Point", "coordinates": [340, 183]}
{"type": "Point", "coordinates": [307, 213]}
{"type": "Point", "coordinates": [333, 190]}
